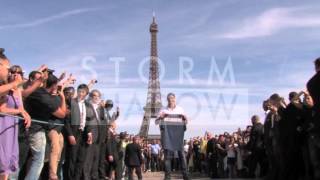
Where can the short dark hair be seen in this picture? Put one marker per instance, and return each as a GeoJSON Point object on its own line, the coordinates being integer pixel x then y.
{"type": "Point", "coordinates": [15, 68]}
{"type": "Point", "coordinates": [255, 118]}
{"type": "Point", "coordinates": [68, 89]}
{"type": "Point", "coordinates": [2, 55]}
{"type": "Point", "coordinates": [293, 96]}
{"type": "Point", "coordinates": [317, 63]}
{"type": "Point", "coordinates": [32, 74]}
{"type": "Point", "coordinates": [170, 94]}
{"type": "Point", "coordinates": [52, 80]}
{"type": "Point", "coordinates": [94, 91]}
{"type": "Point", "coordinates": [84, 87]}
{"type": "Point", "coordinates": [275, 97]}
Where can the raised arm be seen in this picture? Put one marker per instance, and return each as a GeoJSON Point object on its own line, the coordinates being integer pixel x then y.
{"type": "Point", "coordinates": [4, 89]}
{"type": "Point", "coordinates": [62, 110]}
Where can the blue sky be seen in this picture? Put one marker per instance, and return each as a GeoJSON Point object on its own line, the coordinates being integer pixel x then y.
{"type": "Point", "coordinates": [270, 44]}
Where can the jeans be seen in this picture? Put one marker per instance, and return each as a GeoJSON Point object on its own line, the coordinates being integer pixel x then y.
{"type": "Point", "coordinates": [37, 143]}
{"type": "Point", "coordinates": [154, 162]}
{"type": "Point", "coordinates": [168, 156]}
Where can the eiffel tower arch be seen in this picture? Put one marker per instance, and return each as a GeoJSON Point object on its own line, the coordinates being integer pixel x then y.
{"type": "Point", "coordinates": [153, 104]}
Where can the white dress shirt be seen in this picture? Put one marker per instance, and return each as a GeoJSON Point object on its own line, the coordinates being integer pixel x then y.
{"type": "Point", "coordinates": [95, 107]}
{"type": "Point", "coordinates": [83, 114]}
{"type": "Point", "coordinates": [175, 111]}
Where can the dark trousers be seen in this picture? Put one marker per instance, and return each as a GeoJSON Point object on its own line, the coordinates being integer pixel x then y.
{"type": "Point", "coordinates": [257, 157]}
{"type": "Point", "coordinates": [314, 149]}
{"type": "Point", "coordinates": [24, 154]}
{"type": "Point", "coordinates": [84, 162]}
{"type": "Point", "coordinates": [71, 159]}
{"type": "Point", "coordinates": [168, 156]}
{"type": "Point", "coordinates": [275, 161]}
{"type": "Point", "coordinates": [94, 157]}
{"type": "Point", "coordinates": [293, 162]}
{"type": "Point", "coordinates": [103, 163]}
{"type": "Point", "coordinates": [154, 162]}
{"type": "Point", "coordinates": [197, 161]}
{"type": "Point", "coordinates": [138, 172]}
{"type": "Point", "coordinates": [212, 167]}
{"type": "Point", "coordinates": [79, 160]}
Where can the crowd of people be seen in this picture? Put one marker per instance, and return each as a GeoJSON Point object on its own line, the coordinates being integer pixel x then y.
{"type": "Point", "coordinates": [52, 130]}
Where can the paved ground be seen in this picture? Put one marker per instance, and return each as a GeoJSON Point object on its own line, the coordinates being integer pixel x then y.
{"type": "Point", "coordinates": [160, 176]}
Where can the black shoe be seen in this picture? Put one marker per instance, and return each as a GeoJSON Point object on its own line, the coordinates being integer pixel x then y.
{"type": "Point", "coordinates": [167, 177]}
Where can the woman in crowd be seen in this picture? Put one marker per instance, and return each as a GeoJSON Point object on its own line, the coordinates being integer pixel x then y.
{"type": "Point", "coordinates": [11, 104]}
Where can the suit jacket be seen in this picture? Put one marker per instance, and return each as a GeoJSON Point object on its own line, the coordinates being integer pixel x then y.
{"type": "Point", "coordinates": [133, 155]}
{"type": "Point", "coordinates": [103, 122]}
{"type": "Point", "coordinates": [211, 150]}
{"type": "Point", "coordinates": [113, 146]}
{"type": "Point", "coordinates": [271, 130]}
{"type": "Point", "coordinates": [256, 137]}
{"type": "Point", "coordinates": [72, 125]}
{"type": "Point", "coordinates": [313, 87]}
{"type": "Point", "coordinates": [93, 123]}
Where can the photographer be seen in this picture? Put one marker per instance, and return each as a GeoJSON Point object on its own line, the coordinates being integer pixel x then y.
{"type": "Point", "coordinates": [5, 87]}
{"type": "Point", "coordinates": [55, 135]}
{"type": "Point", "coordinates": [274, 107]}
{"type": "Point", "coordinates": [10, 103]}
{"type": "Point", "coordinates": [313, 87]}
{"type": "Point", "coordinates": [35, 81]}
{"type": "Point", "coordinates": [42, 105]}
{"type": "Point", "coordinates": [291, 139]}
{"type": "Point", "coordinates": [108, 108]}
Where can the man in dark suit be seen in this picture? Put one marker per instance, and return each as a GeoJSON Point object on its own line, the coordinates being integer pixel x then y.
{"type": "Point", "coordinates": [256, 146]}
{"type": "Point", "coordinates": [99, 146]}
{"type": "Point", "coordinates": [292, 139]}
{"type": "Point", "coordinates": [112, 152]}
{"type": "Point", "coordinates": [276, 108]}
{"type": "Point", "coordinates": [313, 87]}
{"type": "Point", "coordinates": [212, 156]}
{"type": "Point", "coordinates": [133, 158]}
{"type": "Point", "coordinates": [79, 134]}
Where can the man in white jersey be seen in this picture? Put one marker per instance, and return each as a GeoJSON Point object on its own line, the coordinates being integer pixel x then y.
{"type": "Point", "coordinates": [173, 120]}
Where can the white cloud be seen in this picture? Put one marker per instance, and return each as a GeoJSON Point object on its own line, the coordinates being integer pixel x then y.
{"type": "Point", "coordinates": [273, 21]}
{"type": "Point", "coordinates": [49, 18]}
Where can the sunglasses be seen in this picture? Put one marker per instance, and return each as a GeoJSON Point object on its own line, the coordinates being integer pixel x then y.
{"type": "Point", "coordinates": [17, 72]}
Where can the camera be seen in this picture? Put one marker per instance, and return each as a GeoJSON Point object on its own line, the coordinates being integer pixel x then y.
{"type": "Point", "coordinates": [50, 71]}
{"type": "Point", "coordinates": [266, 105]}
{"type": "Point", "coordinates": [59, 88]}
{"type": "Point", "coordinates": [109, 104]}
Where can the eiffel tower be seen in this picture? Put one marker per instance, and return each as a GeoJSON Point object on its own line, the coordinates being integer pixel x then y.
{"type": "Point", "coordinates": [153, 104]}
